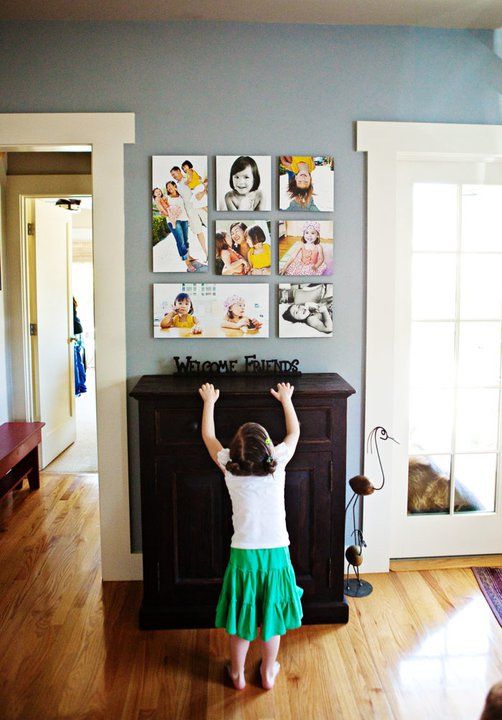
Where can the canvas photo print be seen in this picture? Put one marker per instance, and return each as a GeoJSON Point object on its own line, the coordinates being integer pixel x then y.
{"type": "Point", "coordinates": [210, 310]}
{"type": "Point", "coordinates": [306, 310]}
{"type": "Point", "coordinates": [243, 247]}
{"type": "Point", "coordinates": [306, 183]}
{"type": "Point", "coordinates": [305, 247]}
{"type": "Point", "coordinates": [243, 183]}
{"type": "Point", "coordinates": [179, 213]}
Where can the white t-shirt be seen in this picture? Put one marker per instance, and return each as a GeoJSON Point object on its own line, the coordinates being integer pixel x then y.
{"type": "Point", "coordinates": [178, 202]}
{"type": "Point", "coordinates": [258, 512]}
{"type": "Point", "coordinates": [185, 193]}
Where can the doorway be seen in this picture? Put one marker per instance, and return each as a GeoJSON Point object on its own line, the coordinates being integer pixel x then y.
{"type": "Point", "coordinates": [106, 134]}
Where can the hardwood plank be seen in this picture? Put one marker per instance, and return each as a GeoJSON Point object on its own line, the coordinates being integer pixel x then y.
{"type": "Point", "coordinates": [423, 644]}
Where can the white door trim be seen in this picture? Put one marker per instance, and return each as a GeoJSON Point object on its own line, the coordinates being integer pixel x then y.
{"type": "Point", "coordinates": [105, 134]}
{"type": "Point", "coordinates": [385, 143]}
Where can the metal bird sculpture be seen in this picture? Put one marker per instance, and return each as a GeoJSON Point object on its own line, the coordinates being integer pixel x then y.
{"type": "Point", "coordinates": [362, 486]}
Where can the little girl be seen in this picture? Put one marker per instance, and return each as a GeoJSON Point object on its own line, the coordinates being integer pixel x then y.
{"type": "Point", "coordinates": [198, 188]}
{"type": "Point", "coordinates": [244, 181]}
{"type": "Point", "coordinates": [259, 585]}
{"type": "Point", "coordinates": [309, 257]}
{"type": "Point", "coordinates": [239, 239]}
{"type": "Point", "coordinates": [300, 186]}
{"type": "Point", "coordinates": [160, 201]}
{"type": "Point", "coordinates": [232, 262]}
{"type": "Point", "coordinates": [181, 316]}
{"type": "Point", "coordinates": [235, 318]}
{"type": "Point", "coordinates": [260, 254]}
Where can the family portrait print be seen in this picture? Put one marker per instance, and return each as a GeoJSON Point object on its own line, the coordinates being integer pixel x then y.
{"type": "Point", "coordinates": [210, 310]}
{"type": "Point", "coordinates": [306, 183]}
{"type": "Point", "coordinates": [243, 183]}
{"type": "Point", "coordinates": [243, 247]}
{"type": "Point", "coordinates": [306, 310]}
{"type": "Point", "coordinates": [305, 247]}
{"type": "Point", "coordinates": [179, 213]}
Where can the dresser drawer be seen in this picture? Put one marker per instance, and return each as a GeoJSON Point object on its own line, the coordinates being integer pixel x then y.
{"type": "Point", "coordinates": [182, 426]}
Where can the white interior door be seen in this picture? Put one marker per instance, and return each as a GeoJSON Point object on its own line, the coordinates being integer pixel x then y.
{"type": "Point", "coordinates": [53, 349]}
{"type": "Point", "coordinates": [447, 471]}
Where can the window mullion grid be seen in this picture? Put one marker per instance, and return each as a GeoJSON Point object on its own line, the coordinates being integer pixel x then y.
{"type": "Point", "coordinates": [456, 349]}
{"type": "Point", "coordinates": [498, 465]}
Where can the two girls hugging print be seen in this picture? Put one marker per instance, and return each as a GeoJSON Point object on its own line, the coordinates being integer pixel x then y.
{"type": "Point", "coordinates": [243, 247]}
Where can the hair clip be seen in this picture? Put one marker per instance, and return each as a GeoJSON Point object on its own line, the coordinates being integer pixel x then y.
{"type": "Point", "coordinates": [267, 441]}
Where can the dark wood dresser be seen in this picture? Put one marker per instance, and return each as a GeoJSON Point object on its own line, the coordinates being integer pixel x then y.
{"type": "Point", "coordinates": [185, 507]}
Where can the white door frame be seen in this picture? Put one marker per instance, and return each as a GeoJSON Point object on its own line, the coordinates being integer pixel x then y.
{"type": "Point", "coordinates": [105, 134]}
{"type": "Point", "coordinates": [385, 143]}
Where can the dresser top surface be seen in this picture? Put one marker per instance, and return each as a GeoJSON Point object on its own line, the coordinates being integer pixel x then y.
{"type": "Point", "coordinates": [150, 386]}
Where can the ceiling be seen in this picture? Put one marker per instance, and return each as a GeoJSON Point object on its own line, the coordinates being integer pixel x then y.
{"type": "Point", "coordinates": [472, 14]}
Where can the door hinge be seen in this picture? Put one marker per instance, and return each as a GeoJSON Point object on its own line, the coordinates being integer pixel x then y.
{"type": "Point", "coordinates": [329, 572]}
{"type": "Point", "coordinates": [31, 228]}
{"type": "Point", "coordinates": [33, 329]}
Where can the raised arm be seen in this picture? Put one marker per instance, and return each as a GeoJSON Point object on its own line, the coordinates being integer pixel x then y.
{"type": "Point", "coordinates": [324, 323]}
{"type": "Point", "coordinates": [284, 394]}
{"type": "Point", "coordinates": [167, 320]}
{"type": "Point", "coordinates": [320, 258]}
{"type": "Point", "coordinates": [209, 396]}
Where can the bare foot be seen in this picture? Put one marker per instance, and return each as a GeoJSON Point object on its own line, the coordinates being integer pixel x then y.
{"type": "Point", "coordinates": [238, 679]}
{"type": "Point", "coordinates": [268, 680]}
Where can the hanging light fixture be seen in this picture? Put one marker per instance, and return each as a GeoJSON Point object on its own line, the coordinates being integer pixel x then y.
{"type": "Point", "coordinates": [72, 204]}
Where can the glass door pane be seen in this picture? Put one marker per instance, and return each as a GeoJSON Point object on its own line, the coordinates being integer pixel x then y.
{"type": "Point", "coordinates": [455, 358]}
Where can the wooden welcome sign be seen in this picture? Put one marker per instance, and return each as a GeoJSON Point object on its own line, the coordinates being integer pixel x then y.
{"type": "Point", "coordinates": [251, 366]}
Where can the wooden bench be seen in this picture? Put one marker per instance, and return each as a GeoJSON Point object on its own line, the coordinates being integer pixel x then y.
{"type": "Point", "coordinates": [19, 455]}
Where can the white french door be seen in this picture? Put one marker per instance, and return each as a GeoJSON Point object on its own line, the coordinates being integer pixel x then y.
{"type": "Point", "coordinates": [447, 470]}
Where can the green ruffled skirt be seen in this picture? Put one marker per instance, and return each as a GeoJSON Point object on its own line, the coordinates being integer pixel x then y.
{"type": "Point", "coordinates": [259, 589]}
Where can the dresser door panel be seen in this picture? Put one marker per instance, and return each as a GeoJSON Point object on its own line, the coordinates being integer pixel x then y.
{"type": "Point", "coordinates": [194, 527]}
{"type": "Point", "coordinates": [308, 509]}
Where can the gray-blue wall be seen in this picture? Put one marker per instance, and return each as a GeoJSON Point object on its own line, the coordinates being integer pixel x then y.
{"type": "Point", "coordinates": [211, 88]}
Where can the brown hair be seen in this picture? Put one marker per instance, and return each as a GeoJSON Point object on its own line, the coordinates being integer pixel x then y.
{"type": "Point", "coordinates": [256, 234]}
{"type": "Point", "coordinates": [251, 452]}
{"type": "Point", "coordinates": [303, 195]}
{"type": "Point", "coordinates": [221, 243]}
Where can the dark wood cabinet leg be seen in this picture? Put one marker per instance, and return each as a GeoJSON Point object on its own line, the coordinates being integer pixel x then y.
{"type": "Point", "coordinates": [34, 473]}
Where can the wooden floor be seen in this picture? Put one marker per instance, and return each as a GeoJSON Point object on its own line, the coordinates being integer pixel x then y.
{"type": "Point", "coordinates": [423, 645]}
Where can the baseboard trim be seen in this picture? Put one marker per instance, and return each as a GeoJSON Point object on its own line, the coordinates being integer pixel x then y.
{"type": "Point", "coordinates": [445, 563]}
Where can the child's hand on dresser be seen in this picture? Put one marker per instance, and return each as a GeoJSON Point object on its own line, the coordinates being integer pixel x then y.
{"type": "Point", "coordinates": [209, 393]}
{"type": "Point", "coordinates": [284, 392]}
